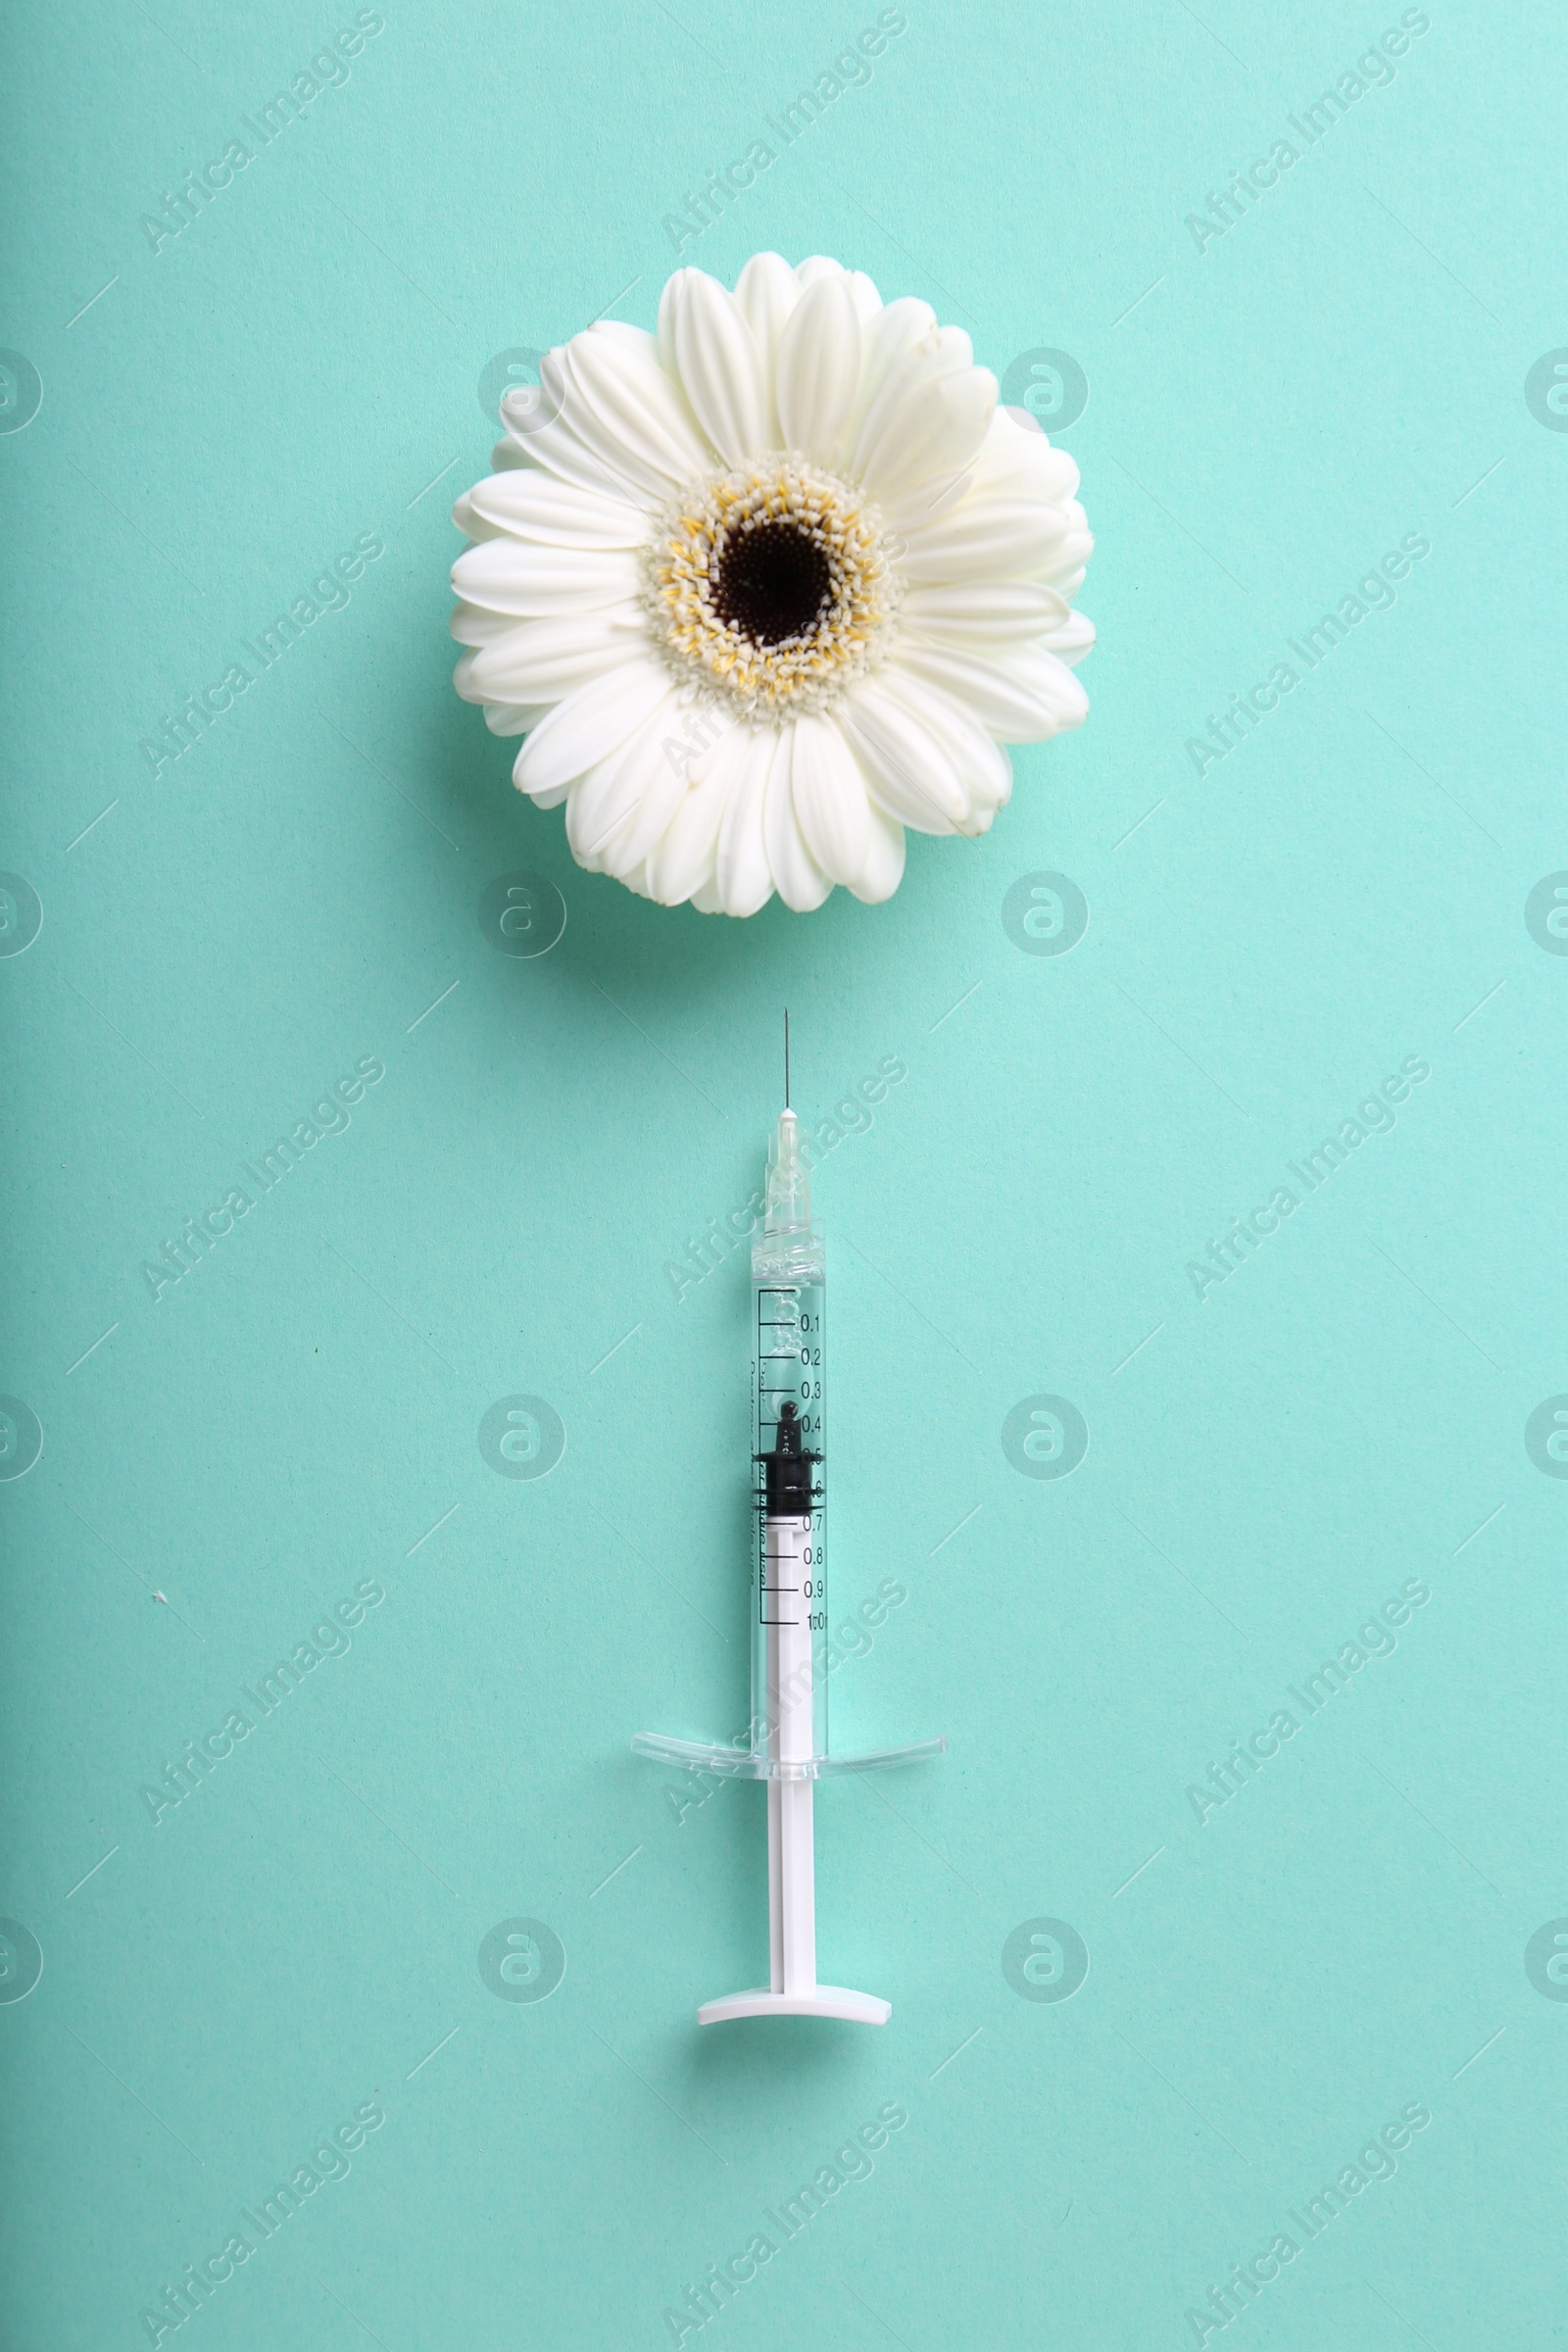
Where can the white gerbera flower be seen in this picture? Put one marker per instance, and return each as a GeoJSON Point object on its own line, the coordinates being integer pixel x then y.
{"type": "Point", "coordinates": [768, 586]}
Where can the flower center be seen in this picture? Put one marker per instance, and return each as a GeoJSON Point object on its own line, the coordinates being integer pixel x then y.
{"type": "Point", "coordinates": [768, 587]}
{"type": "Point", "coordinates": [774, 582]}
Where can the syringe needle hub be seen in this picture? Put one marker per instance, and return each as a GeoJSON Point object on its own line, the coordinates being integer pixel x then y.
{"type": "Point", "coordinates": [787, 1194]}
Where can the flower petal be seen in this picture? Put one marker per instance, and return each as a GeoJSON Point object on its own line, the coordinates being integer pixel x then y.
{"type": "Point", "coordinates": [984, 536]}
{"type": "Point", "coordinates": [984, 613]}
{"type": "Point", "coordinates": [744, 879]}
{"type": "Point", "coordinates": [669, 789]}
{"type": "Point", "coordinates": [590, 724]}
{"type": "Point", "coordinates": [908, 351]}
{"type": "Point", "coordinates": [1066, 582]}
{"type": "Point", "coordinates": [613, 794]}
{"type": "Point", "coordinates": [1024, 700]}
{"type": "Point", "coordinates": [797, 877]}
{"type": "Point", "coordinates": [891, 337]}
{"type": "Point", "coordinates": [927, 759]}
{"type": "Point", "coordinates": [470, 525]}
{"type": "Point", "coordinates": [596, 804]}
{"type": "Point", "coordinates": [513, 719]}
{"type": "Point", "coordinates": [551, 799]}
{"type": "Point", "coordinates": [936, 429]}
{"type": "Point", "coordinates": [983, 765]}
{"type": "Point", "coordinates": [828, 791]}
{"type": "Point", "coordinates": [910, 772]}
{"type": "Point", "coordinates": [540, 661]}
{"type": "Point", "coordinates": [1070, 638]}
{"type": "Point", "coordinates": [1063, 568]}
{"type": "Point", "coordinates": [820, 265]}
{"type": "Point", "coordinates": [863, 289]}
{"type": "Point", "coordinates": [606, 416]}
{"type": "Point", "coordinates": [472, 627]}
{"type": "Point", "coordinates": [708, 349]}
{"type": "Point", "coordinates": [526, 504]}
{"type": "Point", "coordinates": [544, 441]}
{"type": "Point", "coordinates": [510, 575]}
{"type": "Point", "coordinates": [623, 408]}
{"type": "Point", "coordinates": [685, 857]}
{"type": "Point", "coordinates": [659, 787]}
{"type": "Point", "coordinates": [819, 371]}
{"type": "Point", "coordinates": [1024, 458]}
{"type": "Point", "coordinates": [879, 877]}
{"type": "Point", "coordinates": [767, 291]}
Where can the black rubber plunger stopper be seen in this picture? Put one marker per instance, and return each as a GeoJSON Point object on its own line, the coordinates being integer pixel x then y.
{"type": "Point", "coordinates": [787, 1470]}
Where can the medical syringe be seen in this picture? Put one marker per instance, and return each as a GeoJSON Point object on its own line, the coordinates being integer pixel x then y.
{"type": "Point", "coordinates": [787, 1742]}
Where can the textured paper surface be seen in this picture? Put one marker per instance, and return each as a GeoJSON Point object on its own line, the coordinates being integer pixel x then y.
{"type": "Point", "coordinates": [1366, 355]}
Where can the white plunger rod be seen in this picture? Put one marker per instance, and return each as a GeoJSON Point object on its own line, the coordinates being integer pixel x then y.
{"type": "Point", "coordinates": [791, 1863]}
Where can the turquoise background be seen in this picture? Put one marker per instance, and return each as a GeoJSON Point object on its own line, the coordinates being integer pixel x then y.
{"type": "Point", "coordinates": [1269, 410]}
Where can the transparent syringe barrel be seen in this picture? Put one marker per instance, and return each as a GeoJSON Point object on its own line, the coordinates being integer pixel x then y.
{"type": "Point", "coordinates": [789, 1595]}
